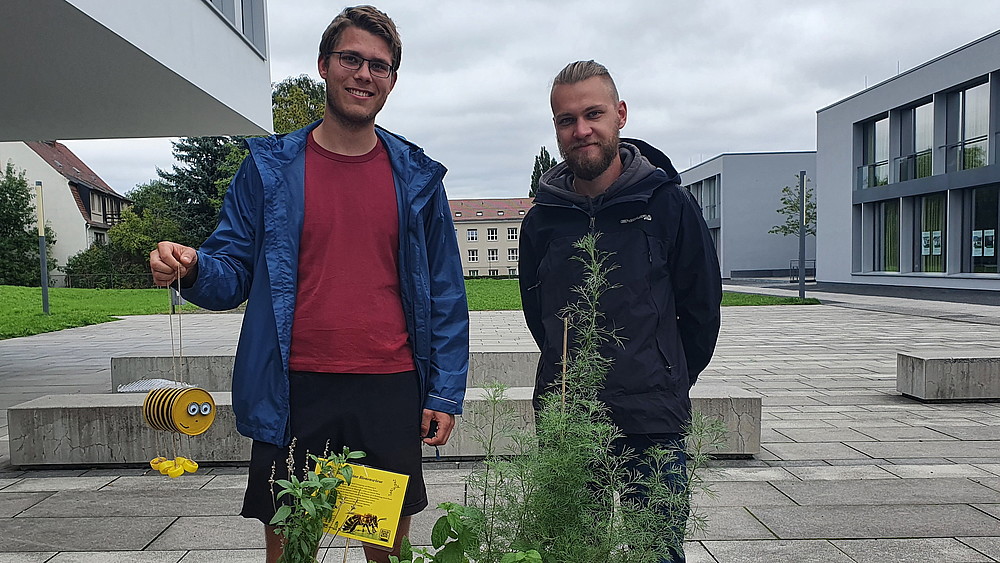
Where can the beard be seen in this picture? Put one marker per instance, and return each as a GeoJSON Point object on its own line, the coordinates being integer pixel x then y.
{"type": "Point", "coordinates": [590, 168]}
{"type": "Point", "coordinates": [351, 121]}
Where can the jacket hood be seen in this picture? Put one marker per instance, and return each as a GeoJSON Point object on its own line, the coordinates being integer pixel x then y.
{"type": "Point", "coordinates": [641, 162]}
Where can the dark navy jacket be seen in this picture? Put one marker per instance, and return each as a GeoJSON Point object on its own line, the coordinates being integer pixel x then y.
{"type": "Point", "coordinates": [666, 305]}
{"type": "Point", "coordinates": [253, 256]}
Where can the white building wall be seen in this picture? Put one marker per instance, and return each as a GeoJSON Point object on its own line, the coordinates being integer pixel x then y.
{"type": "Point", "coordinates": [61, 210]}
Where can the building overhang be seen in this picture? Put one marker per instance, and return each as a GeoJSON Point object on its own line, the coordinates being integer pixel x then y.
{"type": "Point", "coordinates": [89, 69]}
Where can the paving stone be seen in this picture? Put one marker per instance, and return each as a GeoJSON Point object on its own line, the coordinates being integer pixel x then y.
{"type": "Point", "coordinates": [39, 557]}
{"type": "Point", "coordinates": [839, 473]}
{"type": "Point", "coordinates": [227, 482]}
{"type": "Point", "coordinates": [119, 557]}
{"type": "Point", "coordinates": [822, 434]}
{"type": "Point", "coordinates": [13, 504]}
{"type": "Point", "coordinates": [59, 484]}
{"type": "Point", "coordinates": [991, 509]}
{"type": "Point", "coordinates": [989, 546]}
{"type": "Point", "coordinates": [741, 493]}
{"type": "Point", "coordinates": [904, 434]}
{"type": "Point", "coordinates": [819, 450]}
{"type": "Point", "coordinates": [887, 492]}
{"type": "Point", "coordinates": [157, 481]}
{"type": "Point", "coordinates": [695, 552]}
{"type": "Point", "coordinates": [215, 532]}
{"type": "Point", "coordinates": [799, 551]}
{"type": "Point", "coordinates": [153, 502]}
{"type": "Point", "coordinates": [908, 550]}
{"type": "Point", "coordinates": [873, 521]}
{"type": "Point", "coordinates": [80, 534]}
{"type": "Point", "coordinates": [7, 482]}
{"type": "Point", "coordinates": [978, 432]}
{"type": "Point", "coordinates": [750, 474]}
{"type": "Point", "coordinates": [940, 470]}
{"type": "Point", "coordinates": [949, 449]}
{"type": "Point", "coordinates": [731, 523]}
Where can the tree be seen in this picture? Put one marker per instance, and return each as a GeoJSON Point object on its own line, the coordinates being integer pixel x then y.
{"type": "Point", "coordinates": [790, 209]}
{"type": "Point", "coordinates": [195, 184]}
{"type": "Point", "coordinates": [296, 102]}
{"type": "Point", "coordinates": [19, 264]}
{"type": "Point", "coordinates": [543, 162]}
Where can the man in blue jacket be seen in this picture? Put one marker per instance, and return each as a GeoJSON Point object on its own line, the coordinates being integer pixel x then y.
{"type": "Point", "coordinates": [667, 286]}
{"type": "Point", "coordinates": [339, 238]}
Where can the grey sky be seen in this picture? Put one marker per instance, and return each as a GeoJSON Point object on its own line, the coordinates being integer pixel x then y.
{"type": "Point", "coordinates": [699, 77]}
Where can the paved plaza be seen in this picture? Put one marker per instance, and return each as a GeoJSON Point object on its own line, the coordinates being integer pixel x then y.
{"type": "Point", "coordinates": [849, 470]}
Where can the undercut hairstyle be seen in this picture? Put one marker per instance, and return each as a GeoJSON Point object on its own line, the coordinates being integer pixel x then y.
{"type": "Point", "coordinates": [582, 70]}
{"type": "Point", "coordinates": [367, 18]}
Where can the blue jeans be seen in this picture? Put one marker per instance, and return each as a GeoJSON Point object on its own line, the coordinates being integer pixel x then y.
{"type": "Point", "coordinates": [676, 477]}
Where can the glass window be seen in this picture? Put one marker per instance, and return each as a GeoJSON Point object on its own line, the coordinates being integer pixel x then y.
{"type": "Point", "coordinates": [512, 255]}
{"type": "Point", "coordinates": [491, 234]}
{"type": "Point", "coordinates": [983, 239]}
{"type": "Point", "coordinates": [474, 273]}
{"type": "Point", "coordinates": [472, 235]}
{"type": "Point", "coordinates": [874, 169]}
{"type": "Point", "coordinates": [887, 236]}
{"type": "Point", "coordinates": [511, 271]}
{"type": "Point", "coordinates": [473, 255]}
{"type": "Point", "coordinates": [511, 233]}
{"type": "Point", "coordinates": [492, 254]}
{"type": "Point", "coordinates": [494, 272]}
{"type": "Point", "coordinates": [710, 193]}
{"type": "Point", "coordinates": [916, 140]}
{"type": "Point", "coordinates": [968, 128]}
{"type": "Point", "coordinates": [931, 221]}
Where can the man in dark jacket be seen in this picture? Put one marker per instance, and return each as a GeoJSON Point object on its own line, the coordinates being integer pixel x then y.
{"type": "Point", "coordinates": [339, 238]}
{"type": "Point", "coordinates": [666, 303]}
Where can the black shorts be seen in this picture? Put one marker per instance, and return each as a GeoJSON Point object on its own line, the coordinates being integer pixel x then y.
{"type": "Point", "coordinates": [375, 413]}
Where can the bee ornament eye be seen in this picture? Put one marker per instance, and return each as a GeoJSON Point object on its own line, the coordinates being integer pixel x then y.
{"type": "Point", "coordinates": [193, 409]}
{"type": "Point", "coordinates": [206, 409]}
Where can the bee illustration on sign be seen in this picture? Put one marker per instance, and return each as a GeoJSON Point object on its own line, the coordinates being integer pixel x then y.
{"type": "Point", "coordinates": [367, 522]}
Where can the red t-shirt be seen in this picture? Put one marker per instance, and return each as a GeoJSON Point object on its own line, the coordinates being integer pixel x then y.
{"type": "Point", "coordinates": [348, 312]}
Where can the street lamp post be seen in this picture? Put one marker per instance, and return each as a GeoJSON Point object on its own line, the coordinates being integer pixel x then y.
{"type": "Point", "coordinates": [42, 258]}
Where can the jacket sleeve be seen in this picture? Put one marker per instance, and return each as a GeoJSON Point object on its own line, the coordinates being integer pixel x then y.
{"type": "Point", "coordinates": [527, 267]}
{"type": "Point", "coordinates": [449, 361]}
{"type": "Point", "coordinates": [225, 260]}
{"type": "Point", "coordinates": [697, 287]}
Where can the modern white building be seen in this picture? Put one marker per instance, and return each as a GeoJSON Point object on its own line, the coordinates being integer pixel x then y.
{"type": "Point", "coordinates": [740, 194]}
{"type": "Point", "coordinates": [79, 206]}
{"type": "Point", "coordinates": [907, 176]}
{"type": "Point", "coordinates": [90, 69]}
{"type": "Point", "coordinates": [488, 231]}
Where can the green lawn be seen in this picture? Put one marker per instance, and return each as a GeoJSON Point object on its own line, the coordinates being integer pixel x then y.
{"type": "Point", "coordinates": [21, 307]}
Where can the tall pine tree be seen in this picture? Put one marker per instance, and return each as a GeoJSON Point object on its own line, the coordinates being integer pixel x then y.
{"type": "Point", "coordinates": [196, 183]}
{"type": "Point", "coordinates": [543, 162]}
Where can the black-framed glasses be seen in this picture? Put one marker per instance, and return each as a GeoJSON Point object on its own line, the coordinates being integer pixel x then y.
{"type": "Point", "coordinates": [353, 61]}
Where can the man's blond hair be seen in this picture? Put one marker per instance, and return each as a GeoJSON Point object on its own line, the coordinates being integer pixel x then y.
{"type": "Point", "coordinates": [582, 70]}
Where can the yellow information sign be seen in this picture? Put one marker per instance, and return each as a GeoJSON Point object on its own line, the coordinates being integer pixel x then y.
{"type": "Point", "coordinates": [369, 507]}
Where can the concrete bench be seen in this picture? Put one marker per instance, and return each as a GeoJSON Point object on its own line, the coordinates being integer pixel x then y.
{"type": "Point", "coordinates": [103, 429]}
{"type": "Point", "coordinates": [215, 373]}
{"type": "Point", "coordinates": [949, 375]}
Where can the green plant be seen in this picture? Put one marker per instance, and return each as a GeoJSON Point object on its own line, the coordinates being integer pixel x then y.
{"type": "Point", "coordinates": [454, 536]}
{"type": "Point", "coordinates": [314, 500]}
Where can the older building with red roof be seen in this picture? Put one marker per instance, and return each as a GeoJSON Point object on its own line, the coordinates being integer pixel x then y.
{"type": "Point", "coordinates": [79, 206]}
{"type": "Point", "coordinates": [488, 232]}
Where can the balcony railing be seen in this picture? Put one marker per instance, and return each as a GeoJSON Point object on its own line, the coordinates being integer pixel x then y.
{"type": "Point", "coordinates": [873, 175]}
{"type": "Point", "coordinates": [917, 165]}
{"type": "Point", "coordinates": [968, 154]}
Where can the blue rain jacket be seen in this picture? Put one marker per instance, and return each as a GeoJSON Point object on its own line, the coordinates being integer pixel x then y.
{"type": "Point", "coordinates": [253, 256]}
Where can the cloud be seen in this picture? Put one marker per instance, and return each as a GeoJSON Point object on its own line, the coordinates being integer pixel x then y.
{"type": "Point", "coordinates": [700, 78]}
